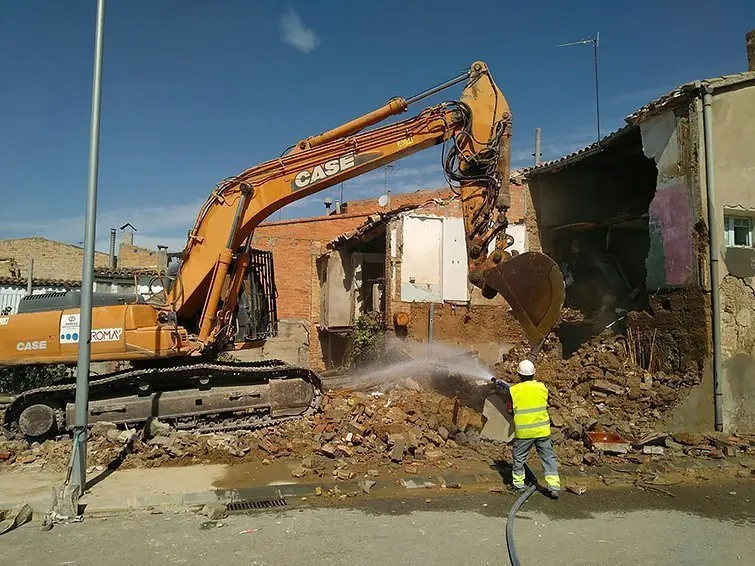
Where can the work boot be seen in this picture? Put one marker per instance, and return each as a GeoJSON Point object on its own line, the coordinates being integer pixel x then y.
{"type": "Point", "coordinates": [553, 493]}
{"type": "Point", "coordinates": [516, 489]}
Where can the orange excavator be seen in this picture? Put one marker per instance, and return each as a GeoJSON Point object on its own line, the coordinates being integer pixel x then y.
{"type": "Point", "coordinates": [172, 345]}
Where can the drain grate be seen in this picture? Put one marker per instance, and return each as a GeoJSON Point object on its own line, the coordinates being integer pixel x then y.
{"type": "Point", "coordinates": [257, 504]}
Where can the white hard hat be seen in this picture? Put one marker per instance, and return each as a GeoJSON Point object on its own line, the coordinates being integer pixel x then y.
{"type": "Point", "coordinates": [526, 368]}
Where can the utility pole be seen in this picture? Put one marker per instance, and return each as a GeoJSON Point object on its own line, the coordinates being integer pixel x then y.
{"type": "Point", "coordinates": [30, 278]}
{"type": "Point", "coordinates": [392, 167]}
{"type": "Point", "coordinates": [595, 42]}
{"type": "Point", "coordinates": [537, 153]}
{"type": "Point", "coordinates": [76, 480]}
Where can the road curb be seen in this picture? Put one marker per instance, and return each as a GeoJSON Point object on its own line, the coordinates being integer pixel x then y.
{"type": "Point", "coordinates": [279, 490]}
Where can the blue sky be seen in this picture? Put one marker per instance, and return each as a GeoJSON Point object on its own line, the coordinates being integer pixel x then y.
{"type": "Point", "coordinates": [195, 91]}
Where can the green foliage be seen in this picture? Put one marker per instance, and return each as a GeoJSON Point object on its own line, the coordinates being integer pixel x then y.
{"type": "Point", "coordinates": [367, 341]}
{"type": "Point", "coordinates": [16, 379]}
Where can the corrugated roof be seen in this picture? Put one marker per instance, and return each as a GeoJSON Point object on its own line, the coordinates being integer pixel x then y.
{"type": "Point", "coordinates": [667, 100]}
{"type": "Point", "coordinates": [22, 281]}
{"type": "Point", "coordinates": [578, 155]}
{"type": "Point", "coordinates": [373, 222]}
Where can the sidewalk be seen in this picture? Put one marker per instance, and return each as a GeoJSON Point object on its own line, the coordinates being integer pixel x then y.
{"type": "Point", "coordinates": [175, 487]}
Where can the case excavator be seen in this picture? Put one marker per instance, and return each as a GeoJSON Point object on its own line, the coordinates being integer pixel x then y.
{"type": "Point", "coordinates": [170, 342]}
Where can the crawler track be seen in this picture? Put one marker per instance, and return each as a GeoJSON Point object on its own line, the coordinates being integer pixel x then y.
{"type": "Point", "coordinates": [203, 396]}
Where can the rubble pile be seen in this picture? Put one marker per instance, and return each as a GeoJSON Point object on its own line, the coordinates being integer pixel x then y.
{"type": "Point", "coordinates": [403, 429]}
{"type": "Point", "coordinates": [598, 390]}
{"type": "Point", "coordinates": [602, 409]}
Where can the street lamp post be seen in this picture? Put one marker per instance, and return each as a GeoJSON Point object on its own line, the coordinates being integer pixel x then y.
{"type": "Point", "coordinates": [76, 480]}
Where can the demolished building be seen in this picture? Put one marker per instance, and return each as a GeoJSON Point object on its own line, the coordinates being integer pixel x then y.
{"type": "Point", "coordinates": [629, 221]}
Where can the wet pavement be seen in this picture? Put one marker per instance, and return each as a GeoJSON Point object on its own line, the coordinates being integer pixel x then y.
{"type": "Point", "coordinates": [704, 524]}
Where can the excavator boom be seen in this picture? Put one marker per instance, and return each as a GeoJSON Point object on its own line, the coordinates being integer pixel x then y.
{"type": "Point", "coordinates": [197, 319]}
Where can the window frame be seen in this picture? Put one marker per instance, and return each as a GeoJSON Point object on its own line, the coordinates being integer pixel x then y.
{"type": "Point", "coordinates": [729, 230]}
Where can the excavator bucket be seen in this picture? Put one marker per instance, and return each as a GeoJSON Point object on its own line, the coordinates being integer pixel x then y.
{"type": "Point", "coordinates": [534, 287]}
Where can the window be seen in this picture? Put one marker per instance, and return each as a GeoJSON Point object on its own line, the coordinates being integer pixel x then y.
{"type": "Point", "coordinates": [738, 230]}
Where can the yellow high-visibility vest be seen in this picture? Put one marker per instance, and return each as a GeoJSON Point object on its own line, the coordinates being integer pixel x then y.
{"type": "Point", "coordinates": [530, 401]}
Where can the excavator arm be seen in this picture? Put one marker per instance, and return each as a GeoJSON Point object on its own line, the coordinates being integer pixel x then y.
{"type": "Point", "coordinates": [174, 374]}
{"type": "Point", "coordinates": [476, 130]}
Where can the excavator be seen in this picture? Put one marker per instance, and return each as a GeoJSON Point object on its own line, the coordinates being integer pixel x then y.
{"type": "Point", "coordinates": [171, 347]}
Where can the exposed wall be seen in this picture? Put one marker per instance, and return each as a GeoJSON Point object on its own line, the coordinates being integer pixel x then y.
{"type": "Point", "coordinates": [673, 211]}
{"type": "Point", "coordinates": [52, 260]}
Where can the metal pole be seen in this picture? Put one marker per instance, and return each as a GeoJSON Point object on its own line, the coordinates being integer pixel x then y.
{"type": "Point", "coordinates": [595, 42]}
{"type": "Point", "coordinates": [430, 327]}
{"type": "Point", "coordinates": [537, 146]}
{"type": "Point", "coordinates": [79, 455]}
{"type": "Point", "coordinates": [30, 278]}
{"type": "Point", "coordinates": [597, 92]}
{"type": "Point", "coordinates": [715, 290]}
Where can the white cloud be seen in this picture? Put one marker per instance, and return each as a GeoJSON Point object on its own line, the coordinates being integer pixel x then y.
{"type": "Point", "coordinates": [294, 33]}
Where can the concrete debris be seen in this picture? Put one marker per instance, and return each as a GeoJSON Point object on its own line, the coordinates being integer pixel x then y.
{"type": "Point", "coordinates": [366, 485]}
{"type": "Point", "coordinates": [607, 443]}
{"type": "Point", "coordinates": [602, 386]}
{"type": "Point", "coordinates": [575, 489]}
{"type": "Point", "coordinates": [159, 428]}
{"type": "Point", "coordinates": [652, 450]}
{"type": "Point", "coordinates": [556, 418]}
{"type": "Point", "coordinates": [11, 519]}
{"type": "Point", "coordinates": [214, 511]}
{"type": "Point", "coordinates": [397, 452]}
{"type": "Point", "coordinates": [300, 472]}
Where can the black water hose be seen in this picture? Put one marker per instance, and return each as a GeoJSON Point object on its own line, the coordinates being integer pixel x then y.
{"type": "Point", "coordinates": [513, 556]}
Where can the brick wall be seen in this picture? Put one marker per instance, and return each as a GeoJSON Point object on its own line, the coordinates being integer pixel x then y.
{"type": "Point", "coordinates": [135, 256]}
{"type": "Point", "coordinates": [296, 245]}
{"type": "Point", "coordinates": [52, 260]}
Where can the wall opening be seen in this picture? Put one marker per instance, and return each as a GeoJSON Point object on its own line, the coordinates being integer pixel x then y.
{"type": "Point", "coordinates": [593, 217]}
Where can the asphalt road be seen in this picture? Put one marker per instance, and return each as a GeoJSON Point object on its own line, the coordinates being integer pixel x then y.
{"type": "Point", "coordinates": [701, 525]}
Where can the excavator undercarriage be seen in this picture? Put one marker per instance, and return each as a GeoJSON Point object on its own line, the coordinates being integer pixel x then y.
{"type": "Point", "coordinates": [206, 396]}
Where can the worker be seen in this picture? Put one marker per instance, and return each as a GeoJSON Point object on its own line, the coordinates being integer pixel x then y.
{"type": "Point", "coordinates": [532, 427]}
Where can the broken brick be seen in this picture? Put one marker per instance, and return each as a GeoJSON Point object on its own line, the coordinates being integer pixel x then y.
{"type": "Point", "coordinates": [268, 447]}
{"type": "Point", "coordinates": [329, 450]}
